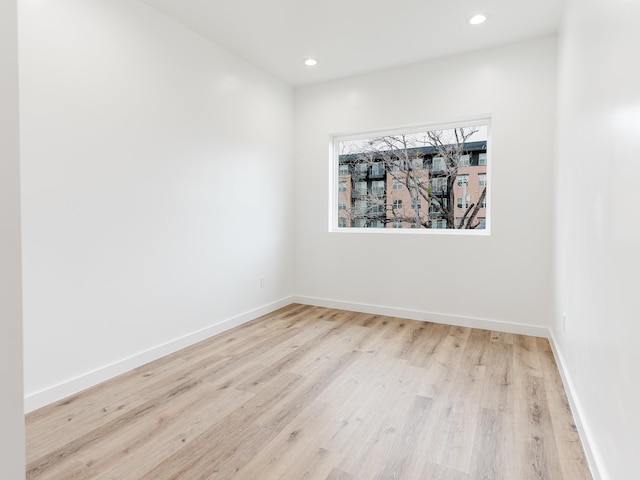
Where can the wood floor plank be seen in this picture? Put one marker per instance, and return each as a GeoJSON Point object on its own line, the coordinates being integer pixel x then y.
{"type": "Point", "coordinates": [317, 393]}
{"type": "Point", "coordinates": [572, 456]}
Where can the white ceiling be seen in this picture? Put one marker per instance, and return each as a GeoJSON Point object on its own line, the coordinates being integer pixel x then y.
{"type": "Point", "coordinates": [349, 37]}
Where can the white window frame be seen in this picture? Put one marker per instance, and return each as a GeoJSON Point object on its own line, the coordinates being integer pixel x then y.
{"type": "Point", "coordinates": [335, 140]}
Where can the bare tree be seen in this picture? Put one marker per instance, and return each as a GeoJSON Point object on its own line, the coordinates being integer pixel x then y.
{"type": "Point", "coordinates": [424, 165]}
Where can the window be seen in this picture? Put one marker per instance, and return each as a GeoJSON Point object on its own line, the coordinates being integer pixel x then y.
{"type": "Point", "coordinates": [483, 204]}
{"type": "Point", "coordinates": [361, 169]}
{"type": "Point", "coordinates": [463, 180]}
{"type": "Point", "coordinates": [342, 222]}
{"type": "Point", "coordinates": [397, 165]}
{"type": "Point", "coordinates": [377, 208]}
{"type": "Point", "coordinates": [359, 223]}
{"type": "Point", "coordinates": [360, 189]}
{"type": "Point", "coordinates": [377, 187]}
{"type": "Point", "coordinates": [482, 223]}
{"type": "Point", "coordinates": [408, 178]}
{"type": "Point", "coordinates": [458, 221]}
{"type": "Point", "coordinates": [438, 165]}
{"type": "Point", "coordinates": [463, 204]}
{"type": "Point", "coordinates": [438, 185]}
{"type": "Point", "coordinates": [417, 163]}
{"type": "Point", "coordinates": [377, 169]}
{"type": "Point", "coordinates": [360, 207]}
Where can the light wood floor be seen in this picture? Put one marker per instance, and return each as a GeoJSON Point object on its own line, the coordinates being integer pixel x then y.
{"type": "Point", "coordinates": [315, 393]}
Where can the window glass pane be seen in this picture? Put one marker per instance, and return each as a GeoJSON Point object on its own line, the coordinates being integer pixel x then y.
{"type": "Point", "coordinates": [412, 180]}
{"type": "Point", "coordinates": [377, 187]}
{"type": "Point", "coordinates": [438, 164]}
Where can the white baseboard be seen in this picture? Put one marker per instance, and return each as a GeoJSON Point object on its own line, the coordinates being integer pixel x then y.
{"type": "Point", "coordinates": [457, 320]}
{"type": "Point", "coordinates": [62, 390]}
{"type": "Point", "coordinates": [593, 459]}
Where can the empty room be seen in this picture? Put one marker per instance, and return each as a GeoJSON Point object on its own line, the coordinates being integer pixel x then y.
{"type": "Point", "coordinates": [324, 240]}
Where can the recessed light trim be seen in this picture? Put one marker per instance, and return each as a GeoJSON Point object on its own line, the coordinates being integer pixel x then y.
{"type": "Point", "coordinates": [310, 62]}
{"type": "Point", "coordinates": [478, 19]}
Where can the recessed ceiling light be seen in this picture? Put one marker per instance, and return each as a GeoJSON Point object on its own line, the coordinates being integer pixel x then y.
{"type": "Point", "coordinates": [310, 62]}
{"type": "Point", "coordinates": [478, 19]}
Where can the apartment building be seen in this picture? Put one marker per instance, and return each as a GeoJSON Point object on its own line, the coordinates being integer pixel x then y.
{"type": "Point", "coordinates": [374, 193]}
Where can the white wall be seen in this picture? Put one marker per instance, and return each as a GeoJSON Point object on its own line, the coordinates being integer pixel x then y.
{"type": "Point", "coordinates": [11, 420]}
{"type": "Point", "coordinates": [505, 277]}
{"type": "Point", "coordinates": [156, 189]}
{"type": "Point", "coordinates": [598, 261]}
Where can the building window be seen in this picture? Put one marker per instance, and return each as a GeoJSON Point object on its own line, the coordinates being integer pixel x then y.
{"type": "Point", "coordinates": [438, 165]}
{"type": "Point", "coordinates": [377, 208]}
{"type": "Point", "coordinates": [417, 163]}
{"type": "Point", "coordinates": [377, 187]}
{"type": "Point", "coordinates": [463, 203]}
{"type": "Point", "coordinates": [342, 222]}
{"type": "Point", "coordinates": [482, 223]}
{"type": "Point", "coordinates": [419, 178]}
{"type": "Point", "coordinates": [361, 169]}
{"type": "Point", "coordinates": [438, 185]}
{"type": "Point", "coordinates": [360, 189]}
{"type": "Point", "coordinates": [377, 169]}
{"type": "Point", "coordinates": [360, 207]}
{"type": "Point", "coordinates": [359, 223]}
